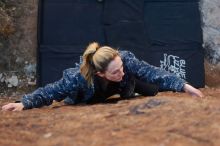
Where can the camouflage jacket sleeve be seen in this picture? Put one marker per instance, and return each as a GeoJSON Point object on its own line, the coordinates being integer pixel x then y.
{"type": "Point", "coordinates": [152, 74]}
{"type": "Point", "coordinates": [68, 85]}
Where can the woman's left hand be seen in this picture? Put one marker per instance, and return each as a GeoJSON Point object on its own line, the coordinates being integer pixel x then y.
{"type": "Point", "coordinates": [13, 107]}
{"type": "Point", "coordinates": [192, 91]}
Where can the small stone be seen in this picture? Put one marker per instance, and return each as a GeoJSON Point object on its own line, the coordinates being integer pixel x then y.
{"type": "Point", "coordinates": [2, 80]}
{"type": "Point", "coordinates": [32, 83]}
{"type": "Point", "coordinates": [9, 85]}
{"type": "Point", "coordinates": [14, 8]}
{"type": "Point", "coordinates": [48, 135]}
{"type": "Point", "coordinates": [142, 108]}
{"type": "Point", "coordinates": [13, 81]}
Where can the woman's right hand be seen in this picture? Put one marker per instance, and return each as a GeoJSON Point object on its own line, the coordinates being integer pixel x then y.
{"type": "Point", "coordinates": [13, 107]}
{"type": "Point", "coordinates": [192, 91]}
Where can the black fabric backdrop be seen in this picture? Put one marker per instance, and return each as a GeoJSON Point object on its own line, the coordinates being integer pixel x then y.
{"type": "Point", "coordinates": [172, 22]}
{"type": "Point", "coordinates": [123, 10]}
{"type": "Point", "coordinates": [185, 60]}
{"type": "Point", "coordinates": [66, 27]}
{"type": "Point", "coordinates": [147, 28]}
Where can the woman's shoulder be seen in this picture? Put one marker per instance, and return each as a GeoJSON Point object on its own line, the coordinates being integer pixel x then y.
{"type": "Point", "coordinates": [72, 73]}
{"type": "Point", "coordinates": [125, 54]}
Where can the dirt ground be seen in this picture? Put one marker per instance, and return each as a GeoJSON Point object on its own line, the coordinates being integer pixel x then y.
{"type": "Point", "coordinates": [169, 119]}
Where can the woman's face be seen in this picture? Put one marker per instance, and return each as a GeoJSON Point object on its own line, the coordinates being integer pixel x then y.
{"type": "Point", "coordinates": [114, 71]}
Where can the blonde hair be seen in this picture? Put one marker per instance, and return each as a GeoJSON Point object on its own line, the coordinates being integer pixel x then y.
{"type": "Point", "coordinates": [96, 58]}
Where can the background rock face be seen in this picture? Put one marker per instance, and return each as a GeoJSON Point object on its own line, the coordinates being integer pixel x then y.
{"type": "Point", "coordinates": [17, 44]}
{"type": "Point", "coordinates": [210, 11]}
{"type": "Point", "coordinates": [18, 33]}
{"type": "Point", "coordinates": [211, 28]}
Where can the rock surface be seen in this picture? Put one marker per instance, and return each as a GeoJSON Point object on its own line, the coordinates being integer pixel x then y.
{"type": "Point", "coordinates": [169, 119]}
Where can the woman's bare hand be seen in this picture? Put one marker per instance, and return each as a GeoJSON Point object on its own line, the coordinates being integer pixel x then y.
{"type": "Point", "coordinates": [192, 91]}
{"type": "Point", "coordinates": [13, 107]}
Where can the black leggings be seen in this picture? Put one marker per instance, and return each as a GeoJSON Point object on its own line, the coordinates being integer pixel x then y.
{"type": "Point", "coordinates": [145, 89]}
{"type": "Point", "coordinates": [135, 85]}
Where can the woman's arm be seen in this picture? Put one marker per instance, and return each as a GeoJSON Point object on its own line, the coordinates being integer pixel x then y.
{"type": "Point", "coordinates": [152, 74]}
{"type": "Point", "coordinates": [192, 91]}
{"type": "Point", "coordinates": [45, 96]}
{"type": "Point", "coordinates": [13, 107]}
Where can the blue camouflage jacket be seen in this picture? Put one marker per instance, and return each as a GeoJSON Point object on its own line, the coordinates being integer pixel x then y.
{"type": "Point", "coordinates": [74, 85]}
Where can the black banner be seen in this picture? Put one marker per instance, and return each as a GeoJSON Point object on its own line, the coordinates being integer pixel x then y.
{"type": "Point", "coordinates": [186, 63]}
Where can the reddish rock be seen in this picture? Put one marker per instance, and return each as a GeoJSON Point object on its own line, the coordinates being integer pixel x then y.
{"type": "Point", "coordinates": [172, 119]}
